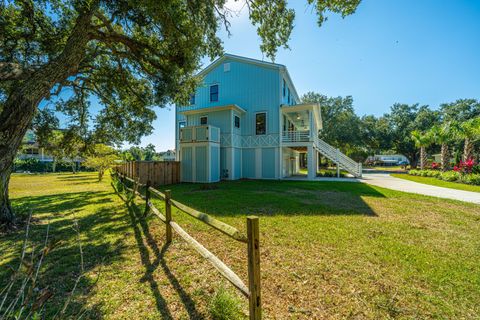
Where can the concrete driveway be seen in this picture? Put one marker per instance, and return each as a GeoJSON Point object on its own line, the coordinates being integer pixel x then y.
{"type": "Point", "coordinates": [387, 181]}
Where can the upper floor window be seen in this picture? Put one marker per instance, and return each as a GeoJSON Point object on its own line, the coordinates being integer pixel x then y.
{"type": "Point", "coordinates": [260, 123]}
{"type": "Point", "coordinates": [192, 98]}
{"type": "Point", "coordinates": [288, 99]}
{"type": "Point", "coordinates": [214, 93]}
{"type": "Point", "coordinates": [284, 87]}
{"type": "Point", "coordinates": [237, 121]}
{"type": "Point", "coordinates": [203, 120]}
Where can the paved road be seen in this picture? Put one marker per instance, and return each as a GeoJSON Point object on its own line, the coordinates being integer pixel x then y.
{"type": "Point", "coordinates": [389, 182]}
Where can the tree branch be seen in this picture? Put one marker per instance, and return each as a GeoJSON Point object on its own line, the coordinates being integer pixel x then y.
{"type": "Point", "coordinates": [13, 71]}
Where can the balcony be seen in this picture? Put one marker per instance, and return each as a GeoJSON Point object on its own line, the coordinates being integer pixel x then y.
{"type": "Point", "coordinates": [293, 136]}
{"type": "Point", "coordinates": [199, 134]}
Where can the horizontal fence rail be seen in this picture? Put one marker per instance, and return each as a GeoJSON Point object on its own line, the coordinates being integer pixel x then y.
{"type": "Point", "coordinates": [252, 291]}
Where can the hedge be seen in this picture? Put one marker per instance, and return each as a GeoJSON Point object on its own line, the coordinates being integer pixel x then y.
{"type": "Point", "coordinates": [452, 176]}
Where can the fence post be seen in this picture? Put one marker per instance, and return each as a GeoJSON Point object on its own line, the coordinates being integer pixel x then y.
{"type": "Point", "coordinates": [168, 215]}
{"type": "Point", "coordinates": [147, 198]}
{"type": "Point", "coordinates": [254, 268]}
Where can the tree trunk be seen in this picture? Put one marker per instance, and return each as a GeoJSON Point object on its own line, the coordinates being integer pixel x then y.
{"type": "Point", "coordinates": [20, 106]}
{"type": "Point", "coordinates": [444, 157]}
{"type": "Point", "coordinates": [423, 158]}
{"type": "Point", "coordinates": [54, 165]}
{"type": "Point", "coordinates": [6, 212]}
{"type": "Point", "coordinates": [467, 149]}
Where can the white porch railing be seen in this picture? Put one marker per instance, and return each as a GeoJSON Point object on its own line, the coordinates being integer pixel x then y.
{"type": "Point", "coordinates": [296, 136]}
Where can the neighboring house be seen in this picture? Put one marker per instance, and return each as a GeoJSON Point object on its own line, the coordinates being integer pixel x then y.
{"type": "Point", "coordinates": [438, 158]}
{"type": "Point", "coordinates": [247, 121]}
{"type": "Point", "coordinates": [388, 159]}
{"type": "Point", "coordinates": [168, 155]}
{"type": "Point", "coordinates": [30, 149]}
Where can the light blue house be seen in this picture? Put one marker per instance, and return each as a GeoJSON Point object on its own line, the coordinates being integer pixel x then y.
{"type": "Point", "coordinates": [247, 121]}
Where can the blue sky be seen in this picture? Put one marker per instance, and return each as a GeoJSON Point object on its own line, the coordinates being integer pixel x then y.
{"type": "Point", "coordinates": [409, 51]}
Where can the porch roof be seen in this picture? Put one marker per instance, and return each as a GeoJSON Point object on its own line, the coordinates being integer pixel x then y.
{"type": "Point", "coordinates": [233, 107]}
{"type": "Point", "coordinates": [313, 107]}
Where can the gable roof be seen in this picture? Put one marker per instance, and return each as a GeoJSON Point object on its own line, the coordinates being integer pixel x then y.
{"type": "Point", "coordinates": [256, 62]}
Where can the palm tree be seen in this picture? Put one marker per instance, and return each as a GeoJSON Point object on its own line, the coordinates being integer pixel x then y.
{"type": "Point", "coordinates": [442, 135]}
{"type": "Point", "coordinates": [469, 132]}
{"type": "Point", "coordinates": [422, 140]}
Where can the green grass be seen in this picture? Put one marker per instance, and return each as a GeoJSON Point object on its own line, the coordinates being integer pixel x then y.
{"type": "Point", "coordinates": [328, 250]}
{"type": "Point", "coordinates": [439, 183]}
{"type": "Point", "coordinates": [386, 168]}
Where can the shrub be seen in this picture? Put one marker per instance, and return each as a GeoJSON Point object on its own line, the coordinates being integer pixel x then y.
{"type": "Point", "coordinates": [471, 179]}
{"type": "Point", "coordinates": [425, 173]}
{"type": "Point", "coordinates": [330, 174]}
{"type": "Point", "coordinates": [225, 306]}
{"type": "Point", "coordinates": [450, 176]}
{"type": "Point", "coordinates": [414, 172]}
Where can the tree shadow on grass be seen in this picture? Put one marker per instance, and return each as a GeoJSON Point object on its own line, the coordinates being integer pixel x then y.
{"type": "Point", "coordinates": [101, 231]}
{"type": "Point", "coordinates": [268, 198]}
{"type": "Point", "coordinates": [140, 226]}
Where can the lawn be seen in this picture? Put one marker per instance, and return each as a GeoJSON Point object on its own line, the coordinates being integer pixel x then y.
{"type": "Point", "coordinates": [328, 250]}
{"type": "Point", "coordinates": [439, 183]}
{"type": "Point", "coordinates": [386, 168]}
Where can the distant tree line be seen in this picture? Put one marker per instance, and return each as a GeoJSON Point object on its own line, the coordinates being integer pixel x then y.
{"type": "Point", "coordinates": [413, 130]}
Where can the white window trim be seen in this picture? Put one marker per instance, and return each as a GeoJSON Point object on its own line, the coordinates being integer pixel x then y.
{"type": "Point", "coordinates": [239, 121]}
{"type": "Point", "coordinates": [255, 123]}
{"type": "Point", "coordinates": [210, 92]}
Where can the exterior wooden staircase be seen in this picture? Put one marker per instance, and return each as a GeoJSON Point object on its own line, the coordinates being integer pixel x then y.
{"type": "Point", "coordinates": [354, 168]}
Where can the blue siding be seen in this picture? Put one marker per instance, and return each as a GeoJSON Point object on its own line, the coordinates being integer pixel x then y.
{"type": "Point", "coordinates": [220, 119]}
{"type": "Point", "coordinates": [186, 164]}
{"type": "Point", "coordinates": [201, 164]}
{"type": "Point", "coordinates": [238, 163]}
{"type": "Point", "coordinates": [214, 163]}
{"type": "Point", "coordinates": [248, 163]}
{"type": "Point", "coordinates": [268, 163]}
{"type": "Point", "coordinates": [254, 87]}
{"type": "Point", "coordinates": [223, 162]}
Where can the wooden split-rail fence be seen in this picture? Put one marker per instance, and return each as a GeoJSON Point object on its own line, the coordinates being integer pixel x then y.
{"type": "Point", "coordinates": [252, 291]}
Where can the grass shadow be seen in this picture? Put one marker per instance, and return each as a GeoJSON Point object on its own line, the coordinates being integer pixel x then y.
{"type": "Point", "coordinates": [269, 198]}
{"type": "Point", "coordinates": [141, 230]}
{"type": "Point", "coordinates": [102, 245]}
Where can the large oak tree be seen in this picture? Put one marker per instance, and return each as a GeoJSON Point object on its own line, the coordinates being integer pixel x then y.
{"type": "Point", "coordinates": [131, 54]}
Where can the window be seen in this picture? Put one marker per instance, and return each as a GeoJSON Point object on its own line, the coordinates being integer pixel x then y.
{"type": "Point", "coordinates": [284, 86]}
{"type": "Point", "coordinates": [214, 93]}
{"type": "Point", "coordinates": [260, 123]}
{"type": "Point", "coordinates": [182, 124]}
{"type": "Point", "coordinates": [192, 98]}
{"type": "Point", "coordinates": [237, 122]}
{"type": "Point", "coordinates": [288, 92]}
{"type": "Point", "coordinates": [203, 120]}
{"type": "Point", "coordinates": [226, 67]}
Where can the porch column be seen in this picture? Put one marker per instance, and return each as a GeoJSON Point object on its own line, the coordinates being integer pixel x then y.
{"type": "Point", "coordinates": [312, 162]}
